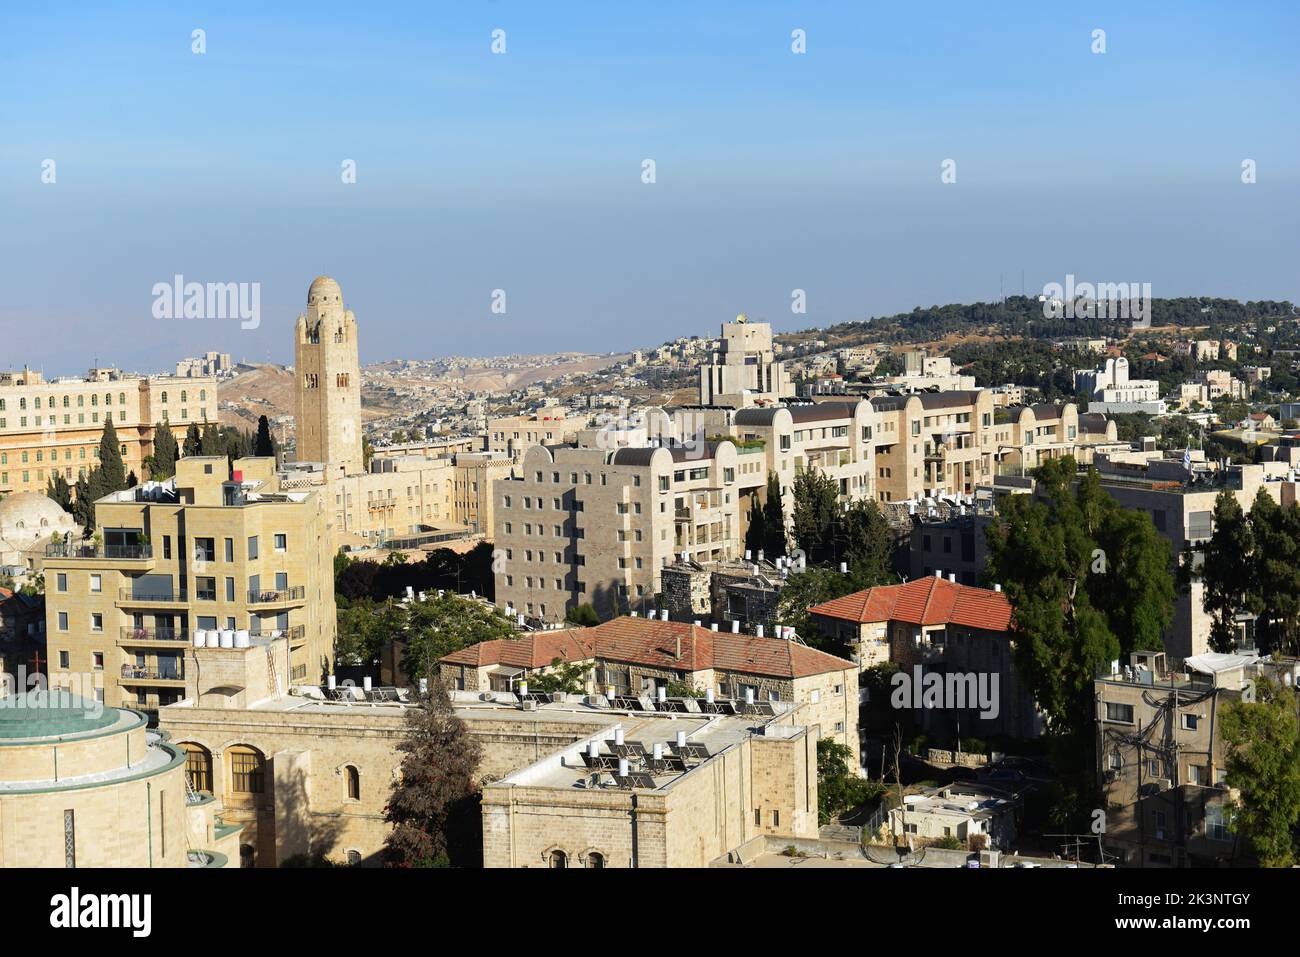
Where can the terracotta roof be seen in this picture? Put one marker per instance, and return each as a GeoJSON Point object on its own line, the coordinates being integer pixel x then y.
{"type": "Point", "coordinates": [925, 601]}
{"type": "Point", "coordinates": [652, 642]}
{"type": "Point", "coordinates": [532, 650]}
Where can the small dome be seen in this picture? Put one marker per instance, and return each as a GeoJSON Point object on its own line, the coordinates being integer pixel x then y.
{"type": "Point", "coordinates": [324, 289]}
{"type": "Point", "coordinates": [31, 510]}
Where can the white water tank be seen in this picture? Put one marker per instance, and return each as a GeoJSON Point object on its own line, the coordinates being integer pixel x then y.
{"type": "Point", "coordinates": [200, 638]}
{"type": "Point", "coordinates": [242, 638]}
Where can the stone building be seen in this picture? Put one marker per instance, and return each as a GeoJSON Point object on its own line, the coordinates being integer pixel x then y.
{"type": "Point", "coordinates": [639, 657]}
{"type": "Point", "coordinates": [209, 550]}
{"type": "Point", "coordinates": [1161, 759]}
{"type": "Point", "coordinates": [738, 590]}
{"type": "Point", "coordinates": [54, 427]}
{"type": "Point", "coordinates": [82, 786]}
{"type": "Point", "coordinates": [329, 380]}
{"type": "Point", "coordinates": [583, 525]}
{"type": "Point", "coordinates": [939, 626]}
{"type": "Point", "coordinates": [743, 370]}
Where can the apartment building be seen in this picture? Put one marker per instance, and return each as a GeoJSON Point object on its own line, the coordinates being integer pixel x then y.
{"type": "Point", "coordinates": [1181, 505]}
{"type": "Point", "coordinates": [54, 427]}
{"type": "Point", "coordinates": [933, 443]}
{"type": "Point", "coordinates": [513, 435]}
{"type": "Point", "coordinates": [1028, 436]}
{"type": "Point", "coordinates": [210, 550]}
{"type": "Point", "coordinates": [1161, 759]}
{"type": "Point", "coordinates": [581, 525]}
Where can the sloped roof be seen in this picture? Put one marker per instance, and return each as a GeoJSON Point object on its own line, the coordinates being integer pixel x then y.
{"type": "Point", "coordinates": [652, 642]}
{"type": "Point", "coordinates": [925, 601]}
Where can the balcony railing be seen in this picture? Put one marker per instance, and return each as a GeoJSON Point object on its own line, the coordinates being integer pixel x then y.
{"type": "Point", "coordinates": [134, 673]}
{"type": "Point", "coordinates": [176, 597]}
{"type": "Point", "coordinates": [271, 596]}
{"type": "Point", "coordinates": [130, 633]}
{"type": "Point", "coordinates": [294, 632]}
{"type": "Point", "coordinates": [90, 550]}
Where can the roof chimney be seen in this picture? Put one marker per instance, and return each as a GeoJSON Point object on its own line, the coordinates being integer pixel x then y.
{"type": "Point", "coordinates": [952, 577]}
{"type": "Point", "coordinates": [759, 631]}
{"type": "Point", "coordinates": [997, 587]}
{"type": "Point", "coordinates": [735, 627]}
{"type": "Point", "coordinates": [938, 573]}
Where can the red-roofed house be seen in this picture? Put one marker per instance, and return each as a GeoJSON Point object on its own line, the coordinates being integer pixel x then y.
{"type": "Point", "coordinates": [938, 625]}
{"type": "Point", "coordinates": [637, 656]}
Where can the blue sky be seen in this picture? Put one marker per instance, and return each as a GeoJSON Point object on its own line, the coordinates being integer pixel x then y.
{"type": "Point", "coordinates": [522, 171]}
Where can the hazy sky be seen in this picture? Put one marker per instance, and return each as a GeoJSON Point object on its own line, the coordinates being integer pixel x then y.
{"type": "Point", "coordinates": [523, 171]}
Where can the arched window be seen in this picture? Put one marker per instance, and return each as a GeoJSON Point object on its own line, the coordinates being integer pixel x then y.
{"type": "Point", "coordinates": [559, 859]}
{"type": "Point", "coordinates": [354, 857]}
{"type": "Point", "coordinates": [352, 779]}
{"type": "Point", "coordinates": [198, 766]}
{"type": "Point", "coordinates": [595, 859]}
{"type": "Point", "coordinates": [247, 770]}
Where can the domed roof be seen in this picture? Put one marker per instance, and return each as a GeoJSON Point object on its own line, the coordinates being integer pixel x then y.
{"type": "Point", "coordinates": [31, 511]}
{"type": "Point", "coordinates": [324, 289]}
{"type": "Point", "coordinates": [54, 713]}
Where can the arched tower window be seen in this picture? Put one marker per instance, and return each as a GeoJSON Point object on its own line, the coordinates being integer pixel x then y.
{"type": "Point", "coordinates": [352, 780]}
{"type": "Point", "coordinates": [559, 859]}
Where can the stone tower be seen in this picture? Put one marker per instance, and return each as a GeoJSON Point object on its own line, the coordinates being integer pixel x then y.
{"type": "Point", "coordinates": [329, 380]}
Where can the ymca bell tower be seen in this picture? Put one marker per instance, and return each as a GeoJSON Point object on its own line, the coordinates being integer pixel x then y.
{"type": "Point", "coordinates": [329, 380]}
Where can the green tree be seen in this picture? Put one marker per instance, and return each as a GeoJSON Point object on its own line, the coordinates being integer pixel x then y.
{"type": "Point", "coordinates": [60, 491]}
{"type": "Point", "coordinates": [1227, 573]}
{"type": "Point", "coordinates": [567, 676]}
{"type": "Point", "coordinates": [865, 544]}
{"type": "Point", "coordinates": [1275, 569]}
{"type": "Point", "coordinates": [773, 541]}
{"type": "Point", "coordinates": [816, 508]}
{"type": "Point", "coordinates": [211, 442]}
{"type": "Point", "coordinates": [111, 468]}
{"type": "Point", "coordinates": [435, 786]}
{"type": "Point", "coordinates": [265, 444]}
{"type": "Point", "coordinates": [801, 591]}
{"type": "Point", "coordinates": [1089, 581]}
{"type": "Point", "coordinates": [162, 464]}
{"type": "Point", "coordinates": [1264, 765]}
{"type": "Point", "coordinates": [838, 788]}
{"type": "Point", "coordinates": [438, 626]}
{"type": "Point", "coordinates": [193, 440]}
{"type": "Point", "coordinates": [584, 615]}
{"type": "Point", "coordinates": [364, 627]}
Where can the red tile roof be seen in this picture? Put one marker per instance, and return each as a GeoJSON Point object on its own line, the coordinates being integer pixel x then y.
{"type": "Point", "coordinates": [532, 650]}
{"type": "Point", "coordinates": [925, 601]}
{"type": "Point", "coordinates": [652, 642]}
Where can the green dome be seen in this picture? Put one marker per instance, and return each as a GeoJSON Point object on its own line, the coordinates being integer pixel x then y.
{"type": "Point", "coordinates": [54, 713]}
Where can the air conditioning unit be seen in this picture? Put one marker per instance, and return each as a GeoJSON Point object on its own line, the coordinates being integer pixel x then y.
{"type": "Point", "coordinates": [529, 705]}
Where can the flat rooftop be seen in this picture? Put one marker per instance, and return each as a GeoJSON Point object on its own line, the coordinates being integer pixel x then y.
{"type": "Point", "coordinates": [709, 734]}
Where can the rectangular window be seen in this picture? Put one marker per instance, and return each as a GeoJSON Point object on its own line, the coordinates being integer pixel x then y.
{"type": "Point", "coordinates": [63, 581]}
{"type": "Point", "coordinates": [252, 547]}
{"type": "Point", "coordinates": [1119, 712]}
{"type": "Point", "coordinates": [230, 549]}
{"type": "Point", "coordinates": [96, 583]}
{"type": "Point", "coordinates": [63, 621]}
{"type": "Point", "coordinates": [281, 541]}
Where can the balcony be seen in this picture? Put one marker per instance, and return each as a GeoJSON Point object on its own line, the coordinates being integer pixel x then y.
{"type": "Point", "coordinates": [277, 596]}
{"type": "Point", "coordinates": [128, 597]}
{"type": "Point", "coordinates": [132, 637]}
{"type": "Point", "coordinates": [296, 634]}
{"type": "Point", "coordinates": [133, 675]}
{"type": "Point", "coordinates": [132, 556]}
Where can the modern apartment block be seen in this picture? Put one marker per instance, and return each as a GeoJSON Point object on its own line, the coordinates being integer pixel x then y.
{"type": "Point", "coordinates": [49, 427]}
{"type": "Point", "coordinates": [743, 369]}
{"type": "Point", "coordinates": [513, 435]}
{"type": "Point", "coordinates": [581, 525]}
{"type": "Point", "coordinates": [933, 443]}
{"type": "Point", "coordinates": [212, 550]}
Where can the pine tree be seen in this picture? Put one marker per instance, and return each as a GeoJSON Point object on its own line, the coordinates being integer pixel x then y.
{"type": "Point", "coordinates": [165, 452]}
{"type": "Point", "coordinates": [83, 505]}
{"type": "Point", "coordinates": [431, 803]}
{"type": "Point", "coordinates": [265, 445]}
{"type": "Point", "coordinates": [774, 542]}
{"type": "Point", "coordinates": [193, 441]}
{"type": "Point", "coordinates": [211, 442]}
{"type": "Point", "coordinates": [112, 469]}
{"type": "Point", "coordinates": [1263, 763]}
{"type": "Point", "coordinates": [60, 491]}
{"type": "Point", "coordinates": [816, 507]}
